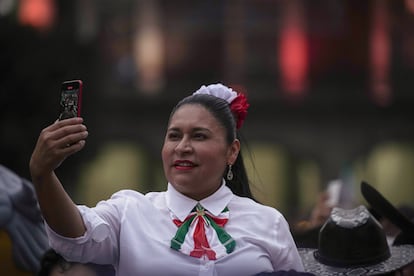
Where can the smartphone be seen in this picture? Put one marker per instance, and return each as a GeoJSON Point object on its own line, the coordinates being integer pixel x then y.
{"type": "Point", "coordinates": [70, 99]}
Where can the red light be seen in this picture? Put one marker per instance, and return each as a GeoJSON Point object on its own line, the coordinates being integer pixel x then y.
{"type": "Point", "coordinates": [37, 13]}
{"type": "Point", "coordinates": [381, 91]}
{"type": "Point", "coordinates": [293, 51]}
{"type": "Point", "coordinates": [293, 60]}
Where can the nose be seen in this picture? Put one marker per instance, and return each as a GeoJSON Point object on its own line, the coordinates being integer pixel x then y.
{"type": "Point", "coordinates": [184, 145]}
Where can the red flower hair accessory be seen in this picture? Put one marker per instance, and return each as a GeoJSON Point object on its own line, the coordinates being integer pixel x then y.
{"type": "Point", "coordinates": [239, 108]}
{"type": "Point", "coordinates": [237, 101]}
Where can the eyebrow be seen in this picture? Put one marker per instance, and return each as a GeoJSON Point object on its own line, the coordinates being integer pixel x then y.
{"type": "Point", "coordinates": [193, 129]}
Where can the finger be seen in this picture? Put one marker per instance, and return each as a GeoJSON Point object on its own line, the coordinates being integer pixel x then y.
{"type": "Point", "coordinates": [63, 128]}
{"type": "Point", "coordinates": [69, 133]}
{"type": "Point", "coordinates": [71, 139]}
{"type": "Point", "coordinates": [61, 123]}
{"type": "Point", "coordinates": [73, 148]}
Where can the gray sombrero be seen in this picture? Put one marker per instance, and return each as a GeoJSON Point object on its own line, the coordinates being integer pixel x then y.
{"type": "Point", "coordinates": [352, 242]}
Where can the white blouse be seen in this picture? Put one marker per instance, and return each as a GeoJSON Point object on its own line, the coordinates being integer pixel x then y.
{"type": "Point", "coordinates": [133, 232]}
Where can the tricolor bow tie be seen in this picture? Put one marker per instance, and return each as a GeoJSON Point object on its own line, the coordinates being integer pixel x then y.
{"type": "Point", "coordinates": [202, 234]}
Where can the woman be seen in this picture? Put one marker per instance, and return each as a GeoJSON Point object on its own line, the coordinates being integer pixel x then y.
{"type": "Point", "coordinates": [203, 224]}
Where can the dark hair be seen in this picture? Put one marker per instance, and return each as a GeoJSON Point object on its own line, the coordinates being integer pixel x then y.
{"type": "Point", "coordinates": [220, 109]}
{"type": "Point", "coordinates": [51, 259]}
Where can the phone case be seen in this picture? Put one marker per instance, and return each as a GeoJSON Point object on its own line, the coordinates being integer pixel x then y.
{"type": "Point", "coordinates": [70, 99]}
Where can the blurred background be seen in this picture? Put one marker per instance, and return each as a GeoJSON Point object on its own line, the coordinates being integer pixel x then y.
{"type": "Point", "coordinates": [330, 84]}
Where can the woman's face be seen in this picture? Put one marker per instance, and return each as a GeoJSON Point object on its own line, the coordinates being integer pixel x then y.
{"type": "Point", "coordinates": [195, 152]}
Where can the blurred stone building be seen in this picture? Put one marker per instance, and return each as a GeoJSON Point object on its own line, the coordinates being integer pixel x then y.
{"type": "Point", "coordinates": [329, 83]}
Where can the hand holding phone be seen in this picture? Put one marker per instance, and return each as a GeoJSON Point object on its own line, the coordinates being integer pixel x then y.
{"type": "Point", "coordinates": [70, 99]}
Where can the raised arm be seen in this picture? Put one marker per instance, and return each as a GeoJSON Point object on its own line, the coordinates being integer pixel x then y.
{"type": "Point", "coordinates": [55, 143]}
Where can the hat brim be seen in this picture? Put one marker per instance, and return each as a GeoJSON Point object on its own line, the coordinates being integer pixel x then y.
{"type": "Point", "coordinates": [400, 256]}
{"type": "Point", "coordinates": [381, 205]}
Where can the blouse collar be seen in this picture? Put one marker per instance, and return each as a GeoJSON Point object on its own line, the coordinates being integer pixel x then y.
{"type": "Point", "coordinates": [182, 205]}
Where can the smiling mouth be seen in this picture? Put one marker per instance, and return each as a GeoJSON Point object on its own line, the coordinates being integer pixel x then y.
{"type": "Point", "coordinates": [184, 165]}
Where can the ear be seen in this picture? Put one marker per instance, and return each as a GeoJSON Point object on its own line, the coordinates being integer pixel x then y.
{"type": "Point", "coordinates": [233, 151]}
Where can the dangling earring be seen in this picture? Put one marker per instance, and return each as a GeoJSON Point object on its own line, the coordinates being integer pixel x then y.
{"type": "Point", "coordinates": [229, 173]}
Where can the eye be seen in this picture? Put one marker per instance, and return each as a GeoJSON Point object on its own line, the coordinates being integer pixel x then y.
{"type": "Point", "coordinates": [200, 136]}
{"type": "Point", "coordinates": [173, 135]}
